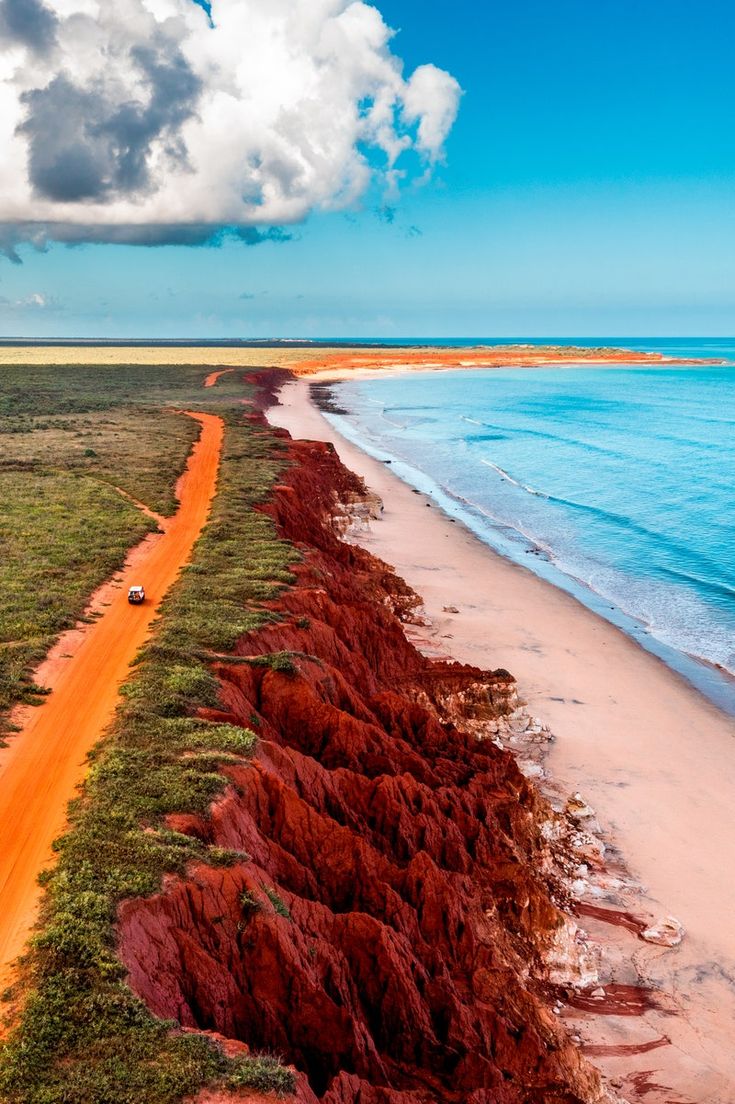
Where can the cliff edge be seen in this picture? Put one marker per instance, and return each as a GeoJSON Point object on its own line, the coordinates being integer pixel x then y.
{"type": "Point", "coordinates": [389, 924]}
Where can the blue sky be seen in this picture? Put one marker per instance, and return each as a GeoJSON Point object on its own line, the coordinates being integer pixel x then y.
{"type": "Point", "coordinates": [588, 189]}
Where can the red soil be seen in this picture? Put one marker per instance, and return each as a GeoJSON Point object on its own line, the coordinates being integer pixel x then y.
{"type": "Point", "coordinates": [214, 376]}
{"type": "Point", "coordinates": [615, 917]}
{"type": "Point", "coordinates": [624, 1050]}
{"type": "Point", "coordinates": [385, 930]}
{"type": "Point", "coordinates": [619, 1000]}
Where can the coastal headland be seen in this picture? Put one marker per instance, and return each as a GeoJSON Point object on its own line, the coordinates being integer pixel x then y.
{"type": "Point", "coordinates": [304, 358]}
{"type": "Point", "coordinates": [368, 362]}
{"type": "Point", "coordinates": [374, 801]}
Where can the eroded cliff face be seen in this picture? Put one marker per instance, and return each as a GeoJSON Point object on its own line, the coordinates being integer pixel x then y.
{"type": "Point", "coordinates": [388, 927]}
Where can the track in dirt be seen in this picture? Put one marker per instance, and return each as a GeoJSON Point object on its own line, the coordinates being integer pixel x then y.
{"type": "Point", "coordinates": [214, 376]}
{"type": "Point", "coordinates": [43, 764]}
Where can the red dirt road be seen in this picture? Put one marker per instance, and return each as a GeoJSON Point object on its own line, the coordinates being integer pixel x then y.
{"type": "Point", "coordinates": [214, 376]}
{"type": "Point", "coordinates": [43, 764]}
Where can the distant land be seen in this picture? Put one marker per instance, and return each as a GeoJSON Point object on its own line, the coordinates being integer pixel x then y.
{"type": "Point", "coordinates": [379, 342]}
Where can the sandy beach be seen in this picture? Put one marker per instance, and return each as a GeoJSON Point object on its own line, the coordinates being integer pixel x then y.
{"type": "Point", "coordinates": [645, 750]}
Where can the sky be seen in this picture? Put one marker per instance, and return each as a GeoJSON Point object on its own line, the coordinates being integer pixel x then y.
{"type": "Point", "coordinates": [586, 186]}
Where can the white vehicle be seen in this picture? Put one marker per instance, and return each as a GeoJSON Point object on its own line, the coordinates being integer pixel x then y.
{"type": "Point", "coordinates": [136, 595]}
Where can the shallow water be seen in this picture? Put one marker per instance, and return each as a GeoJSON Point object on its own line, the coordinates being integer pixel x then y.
{"type": "Point", "coordinates": [620, 479]}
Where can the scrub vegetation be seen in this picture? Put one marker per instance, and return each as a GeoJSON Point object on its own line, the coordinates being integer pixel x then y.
{"type": "Point", "coordinates": [83, 1036]}
{"type": "Point", "coordinates": [71, 439]}
{"type": "Point", "coordinates": [61, 537]}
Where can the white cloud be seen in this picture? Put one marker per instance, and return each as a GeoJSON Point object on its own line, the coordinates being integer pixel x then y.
{"type": "Point", "coordinates": [36, 301]}
{"type": "Point", "coordinates": [430, 100]}
{"type": "Point", "coordinates": [137, 120]}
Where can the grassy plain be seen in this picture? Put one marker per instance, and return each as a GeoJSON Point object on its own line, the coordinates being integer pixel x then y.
{"type": "Point", "coordinates": [75, 356]}
{"type": "Point", "coordinates": [60, 535]}
{"type": "Point", "coordinates": [83, 1037]}
{"type": "Point", "coordinates": [73, 438]}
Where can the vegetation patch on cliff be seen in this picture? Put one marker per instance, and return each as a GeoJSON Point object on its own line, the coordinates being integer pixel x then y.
{"type": "Point", "coordinates": [83, 1036]}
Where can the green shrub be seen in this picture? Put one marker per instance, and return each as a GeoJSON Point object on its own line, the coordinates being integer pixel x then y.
{"type": "Point", "coordinates": [277, 901]}
{"type": "Point", "coordinates": [265, 1074]}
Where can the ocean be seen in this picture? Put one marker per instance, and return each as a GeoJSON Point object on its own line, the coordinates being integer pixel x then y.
{"type": "Point", "coordinates": [617, 484]}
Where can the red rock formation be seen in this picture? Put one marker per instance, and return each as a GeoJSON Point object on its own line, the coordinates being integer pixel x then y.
{"type": "Point", "coordinates": [385, 932]}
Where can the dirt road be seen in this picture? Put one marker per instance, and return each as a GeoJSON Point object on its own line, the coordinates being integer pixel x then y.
{"type": "Point", "coordinates": [214, 376]}
{"type": "Point", "coordinates": [43, 764]}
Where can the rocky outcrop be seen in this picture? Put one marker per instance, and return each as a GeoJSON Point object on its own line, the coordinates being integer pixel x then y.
{"type": "Point", "coordinates": [390, 927]}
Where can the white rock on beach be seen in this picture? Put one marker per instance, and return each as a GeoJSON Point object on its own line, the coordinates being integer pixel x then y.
{"type": "Point", "coordinates": [588, 847]}
{"type": "Point", "coordinates": [570, 959]}
{"type": "Point", "coordinates": [666, 932]}
{"type": "Point", "coordinates": [530, 769]}
{"type": "Point", "coordinates": [578, 809]}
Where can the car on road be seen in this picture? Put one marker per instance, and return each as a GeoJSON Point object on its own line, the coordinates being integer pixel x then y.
{"type": "Point", "coordinates": [136, 595]}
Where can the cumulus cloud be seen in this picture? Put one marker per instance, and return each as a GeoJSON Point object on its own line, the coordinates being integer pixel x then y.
{"type": "Point", "coordinates": [27, 23]}
{"type": "Point", "coordinates": [163, 121]}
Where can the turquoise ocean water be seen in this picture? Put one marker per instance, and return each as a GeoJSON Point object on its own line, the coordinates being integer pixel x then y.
{"type": "Point", "coordinates": [617, 484]}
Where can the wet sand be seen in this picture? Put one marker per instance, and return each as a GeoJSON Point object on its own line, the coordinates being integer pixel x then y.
{"type": "Point", "coordinates": [647, 751]}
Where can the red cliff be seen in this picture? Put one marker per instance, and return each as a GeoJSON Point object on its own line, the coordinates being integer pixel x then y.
{"type": "Point", "coordinates": [386, 928]}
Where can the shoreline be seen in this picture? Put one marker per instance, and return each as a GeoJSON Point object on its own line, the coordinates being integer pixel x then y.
{"type": "Point", "coordinates": [643, 748]}
{"type": "Point", "coordinates": [715, 682]}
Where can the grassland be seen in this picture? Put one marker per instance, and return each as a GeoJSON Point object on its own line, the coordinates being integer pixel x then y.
{"type": "Point", "coordinates": [61, 536]}
{"type": "Point", "coordinates": [160, 355]}
{"type": "Point", "coordinates": [83, 1037]}
{"type": "Point", "coordinates": [71, 440]}
{"type": "Point", "coordinates": [137, 450]}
